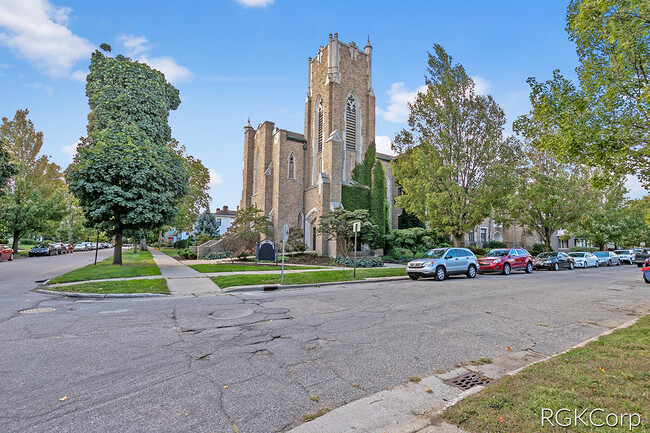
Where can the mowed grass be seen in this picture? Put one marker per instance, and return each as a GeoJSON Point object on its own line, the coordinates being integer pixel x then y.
{"type": "Point", "coordinates": [306, 277]}
{"type": "Point", "coordinates": [158, 285]}
{"type": "Point", "coordinates": [140, 264]}
{"type": "Point", "coordinates": [215, 267]}
{"type": "Point", "coordinates": [612, 373]}
{"type": "Point", "coordinates": [171, 252]}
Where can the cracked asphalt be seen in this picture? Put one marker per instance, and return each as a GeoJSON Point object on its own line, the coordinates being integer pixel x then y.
{"type": "Point", "coordinates": [249, 362]}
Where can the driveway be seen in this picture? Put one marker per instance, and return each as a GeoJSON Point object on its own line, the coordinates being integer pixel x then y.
{"type": "Point", "coordinates": [250, 362]}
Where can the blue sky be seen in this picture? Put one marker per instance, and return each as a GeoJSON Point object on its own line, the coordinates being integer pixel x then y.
{"type": "Point", "coordinates": [232, 59]}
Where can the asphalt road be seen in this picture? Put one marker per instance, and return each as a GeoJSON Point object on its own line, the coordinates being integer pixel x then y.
{"type": "Point", "coordinates": [250, 362]}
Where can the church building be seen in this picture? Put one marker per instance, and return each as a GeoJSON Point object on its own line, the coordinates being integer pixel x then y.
{"type": "Point", "coordinates": [294, 178]}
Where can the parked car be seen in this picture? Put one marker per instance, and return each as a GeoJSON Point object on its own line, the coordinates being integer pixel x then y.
{"type": "Point", "coordinates": [80, 247]}
{"type": "Point", "coordinates": [608, 258]}
{"type": "Point", "coordinates": [42, 250]}
{"type": "Point", "coordinates": [60, 249]}
{"type": "Point", "coordinates": [646, 273]}
{"type": "Point", "coordinates": [442, 262]}
{"type": "Point", "coordinates": [505, 260]}
{"type": "Point", "coordinates": [6, 253]}
{"type": "Point", "coordinates": [68, 248]}
{"type": "Point", "coordinates": [640, 255]}
{"type": "Point", "coordinates": [626, 256]}
{"type": "Point", "coordinates": [584, 259]}
{"type": "Point", "coordinates": [553, 261]}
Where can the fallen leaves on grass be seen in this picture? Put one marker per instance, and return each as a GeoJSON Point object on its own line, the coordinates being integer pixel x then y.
{"type": "Point", "coordinates": [508, 349]}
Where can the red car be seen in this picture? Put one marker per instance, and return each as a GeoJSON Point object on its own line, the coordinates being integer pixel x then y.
{"type": "Point", "coordinates": [6, 253]}
{"type": "Point", "coordinates": [506, 260]}
{"type": "Point", "coordinates": [68, 248]}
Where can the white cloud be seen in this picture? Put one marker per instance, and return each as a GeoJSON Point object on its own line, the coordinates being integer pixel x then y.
{"type": "Point", "coordinates": [40, 86]}
{"type": "Point", "coordinates": [482, 85]}
{"type": "Point", "coordinates": [636, 190]}
{"type": "Point", "coordinates": [398, 110]}
{"type": "Point", "coordinates": [79, 75]}
{"type": "Point", "coordinates": [215, 178]}
{"type": "Point", "coordinates": [69, 150]}
{"type": "Point", "coordinates": [383, 143]}
{"type": "Point", "coordinates": [255, 3]}
{"type": "Point", "coordinates": [37, 31]}
{"type": "Point", "coordinates": [138, 47]}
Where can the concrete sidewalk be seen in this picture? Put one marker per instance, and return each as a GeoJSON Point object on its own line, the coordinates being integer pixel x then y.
{"type": "Point", "coordinates": [181, 279]}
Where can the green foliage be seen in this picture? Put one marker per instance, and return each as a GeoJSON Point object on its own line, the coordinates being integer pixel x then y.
{"type": "Point", "coordinates": [203, 238]}
{"type": "Point", "coordinates": [378, 210]}
{"type": "Point", "coordinates": [337, 224]}
{"type": "Point", "coordinates": [7, 170]}
{"type": "Point", "coordinates": [454, 166]}
{"type": "Point", "coordinates": [182, 244]}
{"type": "Point", "coordinates": [582, 249]}
{"type": "Point", "coordinates": [295, 241]}
{"type": "Point", "coordinates": [496, 244]}
{"type": "Point", "coordinates": [217, 255]}
{"type": "Point", "coordinates": [540, 248]}
{"type": "Point", "coordinates": [604, 119]}
{"type": "Point", "coordinates": [361, 263]}
{"type": "Point", "coordinates": [28, 242]}
{"type": "Point", "coordinates": [35, 201]}
{"type": "Point", "coordinates": [355, 197]}
{"type": "Point", "coordinates": [245, 230]}
{"type": "Point", "coordinates": [399, 255]}
{"type": "Point", "coordinates": [414, 239]}
{"type": "Point", "coordinates": [206, 223]}
{"type": "Point", "coordinates": [187, 254]}
{"type": "Point", "coordinates": [407, 220]}
{"type": "Point", "coordinates": [478, 251]}
{"type": "Point", "coordinates": [362, 173]}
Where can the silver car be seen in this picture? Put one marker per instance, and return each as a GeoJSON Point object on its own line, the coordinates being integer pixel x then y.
{"type": "Point", "coordinates": [442, 262]}
{"type": "Point", "coordinates": [607, 258]}
{"type": "Point", "coordinates": [627, 256]}
{"type": "Point", "coordinates": [584, 259]}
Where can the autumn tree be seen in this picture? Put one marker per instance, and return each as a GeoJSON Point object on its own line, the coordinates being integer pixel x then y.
{"type": "Point", "coordinates": [125, 176]}
{"type": "Point", "coordinates": [454, 164]}
{"type": "Point", "coordinates": [247, 228]}
{"type": "Point", "coordinates": [36, 190]}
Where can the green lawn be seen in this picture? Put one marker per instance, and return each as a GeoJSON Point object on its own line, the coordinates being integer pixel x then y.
{"type": "Point", "coordinates": [171, 252]}
{"type": "Point", "coordinates": [612, 373]}
{"type": "Point", "coordinates": [134, 265]}
{"type": "Point", "coordinates": [157, 285]}
{"type": "Point", "coordinates": [205, 268]}
{"type": "Point", "coordinates": [306, 277]}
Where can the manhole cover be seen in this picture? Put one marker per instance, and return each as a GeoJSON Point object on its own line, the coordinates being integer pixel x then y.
{"type": "Point", "coordinates": [37, 310]}
{"type": "Point", "coordinates": [468, 380]}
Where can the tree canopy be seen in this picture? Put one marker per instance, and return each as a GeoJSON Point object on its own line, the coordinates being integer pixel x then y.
{"type": "Point", "coordinates": [454, 162]}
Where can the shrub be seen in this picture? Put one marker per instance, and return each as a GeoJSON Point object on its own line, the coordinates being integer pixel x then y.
{"type": "Point", "coordinates": [183, 244]}
{"type": "Point", "coordinates": [361, 263]}
{"type": "Point", "coordinates": [202, 238]}
{"type": "Point", "coordinates": [581, 249]}
{"type": "Point", "coordinates": [3, 241]}
{"type": "Point", "coordinates": [478, 251]}
{"type": "Point", "coordinates": [496, 244]}
{"type": "Point", "coordinates": [243, 255]}
{"type": "Point", "coordinates": [443, 245]}
{"type": "Point", "coordinates": [28, 242]}
{"type": "Point", "coordinates": [295, 241]}
{"type": "Point", "coordinates": [187, 254]}
{"type": "Point", "coordinates": [399, 255]}
{"type": "Point", "coordinates": [214, 256]}
{"type": "Point", "coordinates": [540, 248]}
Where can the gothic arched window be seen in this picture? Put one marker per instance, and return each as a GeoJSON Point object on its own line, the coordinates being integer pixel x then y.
{"type": "Point", "coordinates": [257, 154]}
{"type": "Point", "coordinates": [351, 112]}
{"type": "Point", "coordinates": [291, 166]}
{"type": "Point", "coordinates": [320, 126]}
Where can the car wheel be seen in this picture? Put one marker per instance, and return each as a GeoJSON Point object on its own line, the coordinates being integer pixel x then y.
{"type": "Point", "coordinates": [30, 254]}
{"type": "Point", "coordinates": [414, 277]}
{"type": "Point", "coordinates": [645, 279]}
{"type": "Point", "coordinates": [11, 256]}
{"type": "Point", "coordinates": [571, 266]}
{"type": "Point", "coordinates": [441, 274]}
{"type": "Point", "coordinates": [638, 265]}
{"type": "Point", "coordinates": [618, 263]}
{"type": "Point", "coordinates": [597, 264]}
{"type": "Point", "coordinates": [609, 263]}
{"type": "Point", "coordinates": [471, 271]}
{"type": "Point", "coordinates": [556, 267]}
{"type": "Point", "coordinates": [529, 268]}
{"type": "Point", "coordinates": [506, 269]}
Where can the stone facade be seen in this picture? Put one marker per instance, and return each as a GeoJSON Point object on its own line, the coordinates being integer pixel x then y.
{"type": "Point", "coordinates": [295, 178]}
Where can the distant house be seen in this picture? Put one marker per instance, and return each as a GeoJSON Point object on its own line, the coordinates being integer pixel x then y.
{"type": "Point", "coordinates": [224, 217]}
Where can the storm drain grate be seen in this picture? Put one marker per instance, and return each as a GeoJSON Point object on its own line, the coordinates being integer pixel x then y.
{"type": "Point", "coordinates": [37, 310]}
{"type": "Point", "coordinates": [468, 380]}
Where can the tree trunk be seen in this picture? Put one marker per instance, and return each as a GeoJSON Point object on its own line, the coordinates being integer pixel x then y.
{"type": "Point", "coordinates": [457, 239]}
{"type": "Point", "coordinates": [117, 251]}
{"type": "Point", "coordinates": [159, 238]}
{"type": "Point", "coordinates": [143, 244]}
{"type": "Point", "coordinates": [14, 244]}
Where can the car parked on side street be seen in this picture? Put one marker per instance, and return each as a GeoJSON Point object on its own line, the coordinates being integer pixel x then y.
{"type": "Point", "coordinates": [640, 255]}
{"type": "Point", "coordinates": [58, 246]}
{"type": "Point", "coordinates": [80, 247]}
{"type": "Point", "coordinates": [442, 262]}
{"type": "Point", "coordinates": [505, 260]}
{"type": "Point", "coordinates": [6, 253]}
{"type": "Point", "coordinates": [626, 256]}
{"type": "Point", "coordinates": [584, 259]}
{"type": "Point", "coordinates": [553, 261]}
{"type": "Point", "coordinates": [68, 248]}
{"type": "Point", "coordinates": [608, 258]}
{"type": "Point", "coordinates": [42, 250]}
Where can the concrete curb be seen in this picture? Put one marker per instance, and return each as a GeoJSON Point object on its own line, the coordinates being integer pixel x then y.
{"type": "Point", "coordinates": [102, 280]}
{"type": "Point", "coordinates": [275, 287]}
{"type": "Point", "coordinates": [102, 295]}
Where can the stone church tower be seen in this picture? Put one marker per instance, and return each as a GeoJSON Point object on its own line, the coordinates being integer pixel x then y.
{"type": "Point", "coordinates": [295, 178]}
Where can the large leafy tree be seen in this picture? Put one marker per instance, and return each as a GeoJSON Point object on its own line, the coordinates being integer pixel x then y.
{"type": "Point", "coordinates": [454, 164]}
{"type": "Point", "coordinates": [337, 224]}
{"type": "Point", "coordinates": [604, 119]}
{"type": "Point", "coordinates": [124, 175]}
{"type": "Point", "coordinates": [36, 190]}
{"type": "Point", "coordinates": [7, 170]}
{"type": "Point", "coordinates": [247, 228]}
{"type": "Point", "coordinates": [551, 195]}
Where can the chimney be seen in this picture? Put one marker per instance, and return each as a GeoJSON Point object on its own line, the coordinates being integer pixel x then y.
{"type": "Point", "coordinates": [225, 208]}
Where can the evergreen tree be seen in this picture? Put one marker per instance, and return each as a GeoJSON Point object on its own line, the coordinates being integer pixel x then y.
{"type": "Point", "coordinates": [206, 223]}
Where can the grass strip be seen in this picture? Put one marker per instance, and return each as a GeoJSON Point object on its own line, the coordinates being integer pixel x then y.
{"type": "Point", "coordinates": [140, 264]}
{"type": "Point", "coordinates": [158, 285]}
{"type": "Point", "coordinates": [611, 374]}
{"type": "Point", "coordinates": [171, 252]}
{"type": "Point", "coordinates": [306, 277]}
{"type": "Point", "coordinates": [213, 267]}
